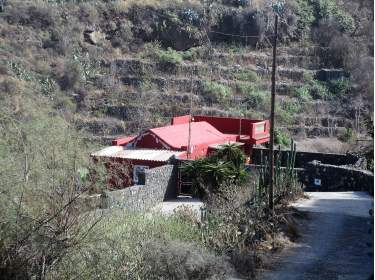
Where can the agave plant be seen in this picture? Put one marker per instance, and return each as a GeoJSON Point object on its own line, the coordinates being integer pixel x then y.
{"type": "Point", "coordinates": [211, 172]}
{"type": "Point", "coordinates": [231, 153]}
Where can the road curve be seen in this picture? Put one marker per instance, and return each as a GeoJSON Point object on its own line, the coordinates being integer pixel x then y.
{"type": "Point", "coordinates": [335, 244]}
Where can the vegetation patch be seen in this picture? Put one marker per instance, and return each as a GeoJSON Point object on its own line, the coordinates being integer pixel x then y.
{"type": "Point", "coordinates": [245, 75]}
{"type": "Point", "coordinates": [210, 173]}
{"type": "Point", "coordinates": [169, 56]}
{"type": "Point", "coordinates": [282, 138]}
{"type": "Point", "coordinates": [215, 92]}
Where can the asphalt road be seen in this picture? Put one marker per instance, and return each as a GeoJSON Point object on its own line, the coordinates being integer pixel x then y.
{"type": "Point", "coordinates": [335, 244]}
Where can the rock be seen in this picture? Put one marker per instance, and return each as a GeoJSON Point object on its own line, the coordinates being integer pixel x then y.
{"type": "Point", "coordinates": [93, 37]}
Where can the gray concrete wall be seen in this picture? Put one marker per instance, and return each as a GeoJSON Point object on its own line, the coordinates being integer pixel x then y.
{"type": "Point", "coordinates": [160, 184]}
{"type": "Point", "coordinates": [337, 178]}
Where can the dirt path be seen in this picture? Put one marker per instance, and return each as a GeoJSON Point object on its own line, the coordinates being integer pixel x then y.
{"type": "Point", "coordinates": [336, 243]}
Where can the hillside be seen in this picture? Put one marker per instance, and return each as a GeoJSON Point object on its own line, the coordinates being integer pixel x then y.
{"type": "Point", "coordinates": [117, 67]}
{"type": "Point", "coordinates": [75, 74]}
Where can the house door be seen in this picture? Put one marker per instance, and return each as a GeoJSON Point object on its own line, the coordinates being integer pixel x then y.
{"type": "Point", "coordinates": [139, 176]}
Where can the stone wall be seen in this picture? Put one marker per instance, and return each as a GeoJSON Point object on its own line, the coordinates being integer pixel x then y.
{"type": "Point", "coordinates": [160, 184]}
{"type": "Point", "coordinates": [327, 177]}
{"type": "Point", "coordinates": [302, 158]}
{"type": "Point", "coordinates": [331, 177]}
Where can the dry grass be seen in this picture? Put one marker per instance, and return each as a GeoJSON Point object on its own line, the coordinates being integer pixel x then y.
{"type": "Point", "coordinates": [323, 145]}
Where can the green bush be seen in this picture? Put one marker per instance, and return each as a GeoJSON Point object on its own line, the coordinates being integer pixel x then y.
{"type": "Point", "coordinates": [284, 117]}
{"type": "Point", "coordinates": [40, 157]}
{"type": "Point", "coordinates": [282, 138]}
{"type": "Point", "coordinates": [245, 75]}
{"type": "Point", "coordinates": [291, 106]}
{"type": "Point", "coordinates": [317, 89]}
{"type": "Point", "coordinates": [215, 92]}
{"type": "Point", "coordinates": [208, 174]}
{"type": "Point", "coordinates": [306, 16]}
{"type": "Point", "coordinates": [348, 136]}
{"type": "Point", "coordinates": [339, 88]}
{"type": "Point", "coordinates": [121, 245]}
{"type": "Point", "coordinates": [254, 98]}
{"type": "Point", "coordinates": [169, 56]}
{"type": "Point", "coordinates": [328, 9]}
{"type": "Point", "coordinates": [302, 93]}
{"type": "Point", "coordinates": [244, 89]}
{"type": "Point", "coordinates": [193, 53]}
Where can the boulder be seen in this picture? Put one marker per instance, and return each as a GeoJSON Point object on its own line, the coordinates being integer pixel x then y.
{"type": "Point", "coordinates": [93, 37]}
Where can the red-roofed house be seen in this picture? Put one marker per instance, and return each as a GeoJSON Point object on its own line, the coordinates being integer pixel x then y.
{"type": "Point", "coordinates": [183, 140]}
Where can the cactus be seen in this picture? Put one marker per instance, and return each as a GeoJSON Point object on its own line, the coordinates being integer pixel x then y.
{"type": "Point", "coordinates": [285, 177]}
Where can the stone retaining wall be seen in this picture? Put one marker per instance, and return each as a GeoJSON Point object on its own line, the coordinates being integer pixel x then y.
{"type": "Point", "coordinates": [327, 177]}
{"type": "Point", "coordinates": [302, 158]}
{"type": "Point", "coordinates": [160, 184]}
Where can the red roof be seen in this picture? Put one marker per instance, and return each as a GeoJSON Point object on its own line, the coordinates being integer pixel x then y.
{"type": "Point", "coordinates": [123, 141]}
{"type": "Point", "coordinates": [176, 136]}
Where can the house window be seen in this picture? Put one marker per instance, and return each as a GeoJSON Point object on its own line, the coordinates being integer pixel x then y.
{"type": "Point", "coordinates": [259, 128]}
{"type": "Point", "coordinates": [139, 176]}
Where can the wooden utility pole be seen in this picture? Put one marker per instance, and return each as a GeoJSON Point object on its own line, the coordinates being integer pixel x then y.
{"type": "Point", "coordinates": [272, 122]}
{"type": "Point", "coordinates": [190, 116]}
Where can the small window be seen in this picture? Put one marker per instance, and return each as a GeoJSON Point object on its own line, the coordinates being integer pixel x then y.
{"type": "Point", "coordinates": [139, 176]}
{"type": "Point", "coordinates": [259, 128]}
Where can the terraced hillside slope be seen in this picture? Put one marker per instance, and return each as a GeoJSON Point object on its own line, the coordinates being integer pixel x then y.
{"type": "Point", "coordinates": [114, 68]}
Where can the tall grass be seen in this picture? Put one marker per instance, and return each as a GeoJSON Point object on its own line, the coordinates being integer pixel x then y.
{"type": "Point", "coordinates": [128, 245]}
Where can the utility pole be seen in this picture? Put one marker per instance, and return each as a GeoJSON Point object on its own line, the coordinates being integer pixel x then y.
{"type": "Point", "coordinates": [190, 116]}
{"type": "Point", "coordinates": [272, 123]}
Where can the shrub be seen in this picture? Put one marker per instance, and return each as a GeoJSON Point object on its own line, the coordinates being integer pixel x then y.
{"type": "Point", "coordinates": [348, 136]}
{"type": "Point", "coordinates": [121, 247]}
{"type": "Point", "coordinates": [179, 260]}
{"type": "Point", "coordinates": [282, 138]}
{"type": "Point", "coordinates": [71, 76]}
{"type": "Point", "coordinates": [12, 86]}
{"type": "Point", "coordinates": [339, 88]}
{"type": "Point", "coordinates": [257, 100]}
{"type": "Point", "coordinates": [285, 117]}
{"type": "Point", "coordinates": [215, 92]}
{"type": "Point", "coordinates": [61, 40]}
{"type": "Point", "coordinates": [244, 89]}
{"type": "Point", "coordinates": [327, 9]}
{"type": "Point", "coordinates": [208, 174]}
{"type": "Point", "coordinates": [48, 85]}
{"type": "Point", "coordinates": [291, 106]}
{"type": "Point", "coordinates": [302, 93]}
{"type": "Point", "coordinates": [39, 206]}
{"type": "Point", "coordinates": [254, 98]}
{"type": "Point", "coordinates": [305, 16]}
{"type": "Point", "coordinates": [122, 35]}
{"type": "Point", "coordinates": [317, 89]}
{"type": "Point", "coordinates": [246, 75]}
{"type": "Point", "coordinates": [194, 53]}
{"type": "Point", "coordinates": [169, 56]}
